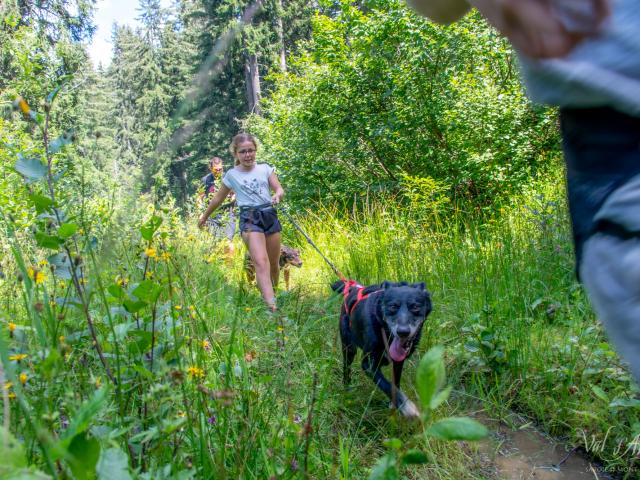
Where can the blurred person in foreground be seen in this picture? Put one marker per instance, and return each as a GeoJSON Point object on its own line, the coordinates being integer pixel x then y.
{"type": "Point", "coordinates": [584, 56]}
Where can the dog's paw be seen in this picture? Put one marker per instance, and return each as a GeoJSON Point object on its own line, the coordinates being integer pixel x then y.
{"type": "Point", "coordinates": [409, 409]}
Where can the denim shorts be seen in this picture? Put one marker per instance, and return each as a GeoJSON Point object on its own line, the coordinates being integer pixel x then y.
{"type": "Point", "coordinates": [262, 218]}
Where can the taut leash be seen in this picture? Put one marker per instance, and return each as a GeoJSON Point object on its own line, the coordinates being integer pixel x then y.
{"type": "Point", "coordinates": [310, 242]}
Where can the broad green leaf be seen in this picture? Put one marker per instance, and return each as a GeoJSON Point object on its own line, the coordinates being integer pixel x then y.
{"type": "Point", "coordinates": [149, 228]}
{"type": "Point", "coordinates": [440, 397]}
{"type": "Point", "coordinates": [133, 306]}
{"type": "Point", "coordinates": [32, 168]}
{"type": "Point", "coordinates": [48, 241]}
{"type": "Point", "coordinates": [11, 452]}
{"type": "Point", "coordinates": [66, 230]}
{"type": "Point", "coordinates": [142, 342]}
{"type": "Point", "coordinates": [457, 428]}
{"type": "Point", "coordinates": [84, 454]}
{"type": "Point", "coordinates": [63, 140]}
{"type": "Point", "coordinates": [113, 465]}
{"type": "Point", "coordinates": [430, 375]}
{"type": "Point", "coordinates": [59, 260]}
{"type": "Point", "coordinates": [147, 291]}
{"type": "Point", "coordinates": [82, 418]}
{"type": "Point", "coordinates": [625, 403]}
{"type": "Point", "coordinates": [415, 457]}
{"type": "Point", "coordinates": [116, 291]}
{"type": "Point", "coordinates": [385, 469]}
{"type": "Point", "coordinates": [41, 202]}
{"type": "Point", "coordinates": [393, 443]}
{"type": "Point", "coordinates": [143, 371]}
{"type": "Point", "coordinates": [600, 393]}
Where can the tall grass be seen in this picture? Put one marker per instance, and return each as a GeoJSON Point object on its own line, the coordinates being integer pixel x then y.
{"type": "Point", "coordinates": [211, 386]}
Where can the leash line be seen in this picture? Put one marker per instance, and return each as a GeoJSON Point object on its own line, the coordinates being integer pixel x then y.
{"type": "Point", "coordinates": [310, 242]}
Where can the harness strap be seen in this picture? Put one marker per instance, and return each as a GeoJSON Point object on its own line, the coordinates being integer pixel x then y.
{"type": "Point", "coordinates": [348, 284]}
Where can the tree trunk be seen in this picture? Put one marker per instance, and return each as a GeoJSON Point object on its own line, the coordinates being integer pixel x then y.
{"type": "Point", "coordinates": [280, 28]}
{"type": "Point", "coordinates": [251, 79]}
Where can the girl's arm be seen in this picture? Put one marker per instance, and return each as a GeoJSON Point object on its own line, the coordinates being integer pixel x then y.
{"type": "Point", "coordinates": [441, 11]}
{"type": "Point", "coordinates": [278, 192]}
{"type": "Point", "coordinates": [217, 199]}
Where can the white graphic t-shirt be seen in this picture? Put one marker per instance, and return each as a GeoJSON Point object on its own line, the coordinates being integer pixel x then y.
{"type": "Point", "coordinates": [251, 188]}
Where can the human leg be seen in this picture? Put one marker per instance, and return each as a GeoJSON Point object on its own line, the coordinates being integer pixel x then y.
{"type": "Point", "coordinates": [257, 246]}
{"type": "Point", "coordinates": [273, 252]}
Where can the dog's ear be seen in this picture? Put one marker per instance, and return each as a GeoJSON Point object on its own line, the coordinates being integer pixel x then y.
{"type": "Point", "coordinates": [386, 284]}
{"type": "Point", "coordinates": [419, 286]}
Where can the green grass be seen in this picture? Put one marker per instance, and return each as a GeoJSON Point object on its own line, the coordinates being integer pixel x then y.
{"type": "Point", "coordinates": [265, 399]}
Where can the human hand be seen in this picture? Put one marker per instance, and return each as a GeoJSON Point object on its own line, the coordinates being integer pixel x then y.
{"type": "Point", "coordinates": [276, 198]}
{"type": "Point", "coordinates": [539, 29]}
{"type": "Point", "coordinates": [201, 221]}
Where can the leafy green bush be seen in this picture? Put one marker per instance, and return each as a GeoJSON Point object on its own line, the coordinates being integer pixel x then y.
{"type": "Point", "coordinates": [384, 96]}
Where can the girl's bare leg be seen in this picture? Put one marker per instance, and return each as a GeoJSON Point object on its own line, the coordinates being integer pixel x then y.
{"type": "Point", "coordinates": [273, 252]}
{"type": "Point", "coordinates": [257, 246]}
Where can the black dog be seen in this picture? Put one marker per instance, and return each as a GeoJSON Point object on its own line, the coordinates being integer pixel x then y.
{"type": "Point", "coordinates": [397, 309]}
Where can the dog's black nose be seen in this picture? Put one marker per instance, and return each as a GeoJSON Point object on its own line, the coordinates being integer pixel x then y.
{"type": "Point", "coordinates": [403, 331]}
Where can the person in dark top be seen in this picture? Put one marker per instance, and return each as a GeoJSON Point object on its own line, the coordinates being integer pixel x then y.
{"type": "Point", "coordinates": [225, 222]}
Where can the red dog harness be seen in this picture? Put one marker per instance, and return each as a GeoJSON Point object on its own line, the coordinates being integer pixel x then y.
{"type": "Point", "coordinates": [348, 284]}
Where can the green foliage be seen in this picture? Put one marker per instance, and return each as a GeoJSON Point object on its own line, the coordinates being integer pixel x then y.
{"type": "Point", "coordinates": [383, 97]}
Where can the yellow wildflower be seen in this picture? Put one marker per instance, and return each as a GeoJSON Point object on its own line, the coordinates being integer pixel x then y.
{"type": "Point", "coordinates": [18, 357]}
{"type": "Point", "coordinates": [121, 281]}
{"type": "Point", "coordinates": [40, 277]}
{"type": "Point", "coordinates": [61, 285]}
{"type": "Point", "coordinates": [12, 327]}
{"type": "Point", "coordinates": [43, 263]}
{"type": "Point", "coordinates": [31, 273]}
{"type": "Point", "coordinates": [8, 385]}
{"type": "Point", "coordinates": [165, 256]}
{"type": "Point", "coordinates": [11, 395]}
{"type": "Point", "coordinates": [182, 414]}
{"type": "Point", "coordinates": [98, 382]}
{"type": "Point", "coordinates": [61, 338]}
{"type": "Point", "coordinates": [178, 307]}
{"type": "Point", "coordinates": [148, 275]}
{"type": "Point", "coordinates": [150, 252]}
{"type": "Point", "coordinates": [192, 308]}
{"type": "Point", "coordinates": [206, 345]}
{"type": "Point", "coordinates": [195, 372]}
{"type": "Point", "coordinates": [23, 378]}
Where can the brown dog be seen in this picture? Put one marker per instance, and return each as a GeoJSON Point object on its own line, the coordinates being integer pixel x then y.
{"type": "Point", "coordinates": [288, 257]}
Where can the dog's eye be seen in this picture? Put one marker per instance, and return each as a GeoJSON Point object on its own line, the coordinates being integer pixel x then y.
{"type": "Point", "coordinates": [392, 308]}
{"type": "Point", "coordinates": [416, 309]}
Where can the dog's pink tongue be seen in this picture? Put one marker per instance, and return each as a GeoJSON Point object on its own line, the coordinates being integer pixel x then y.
{"type": "Point", "coordinates": [397, 352]}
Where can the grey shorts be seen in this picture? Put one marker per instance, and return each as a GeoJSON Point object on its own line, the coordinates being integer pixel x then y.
{"type": "Point", "coordinates": [262, 218]}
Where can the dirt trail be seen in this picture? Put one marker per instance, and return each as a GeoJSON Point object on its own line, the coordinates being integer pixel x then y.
{"type": "Point", "coordinates": [525, 453]}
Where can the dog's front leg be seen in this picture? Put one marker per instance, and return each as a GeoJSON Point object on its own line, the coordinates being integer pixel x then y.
{"type": "Point", "coordinates": [286, 277]}
{"type": "Point", "coordinates": [349, 350]}
{"type": "Point", "coordinates": [372, 369]}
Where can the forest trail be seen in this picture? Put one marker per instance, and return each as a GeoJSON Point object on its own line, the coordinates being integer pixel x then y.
{"type": "Point", "coordinates": [522, 452]}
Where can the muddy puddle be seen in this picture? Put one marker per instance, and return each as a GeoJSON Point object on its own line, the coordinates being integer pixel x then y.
{"type": "Point", "coordinates": [523, 452]}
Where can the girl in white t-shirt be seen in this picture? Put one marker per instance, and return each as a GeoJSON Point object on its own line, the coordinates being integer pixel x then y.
{"type": "Point", "coordinates": [259, 225]}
